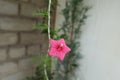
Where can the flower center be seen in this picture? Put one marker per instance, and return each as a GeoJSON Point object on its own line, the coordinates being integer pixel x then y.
{"type": "Point", "coordinates": [60, 47]}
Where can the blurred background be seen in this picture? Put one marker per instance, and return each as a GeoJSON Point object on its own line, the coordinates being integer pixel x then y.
{"type": "Point", "coordinates": [100, 39]}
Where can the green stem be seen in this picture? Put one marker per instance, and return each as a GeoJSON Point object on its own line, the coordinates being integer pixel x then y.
{"type": "Point", "coordinates": [49, 37]}
{"type": "Point", "coordinates": [49, 16]}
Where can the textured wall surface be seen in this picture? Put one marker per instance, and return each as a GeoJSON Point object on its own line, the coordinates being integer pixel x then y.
{"type": "Point", "coordinates": [18, 39]}
{"type": "Point", "coordinates": [100, 42]}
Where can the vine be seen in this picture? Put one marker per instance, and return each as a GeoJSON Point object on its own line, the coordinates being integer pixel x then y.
{"type": "Point", "coordinates": [75, 16]}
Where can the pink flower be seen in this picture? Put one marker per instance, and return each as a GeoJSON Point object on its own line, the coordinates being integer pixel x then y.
{"type": "Point", "coordinates": [58, 48]}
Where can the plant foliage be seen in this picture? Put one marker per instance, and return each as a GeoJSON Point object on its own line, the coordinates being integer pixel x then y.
{"type": "Point", "coordinates": [74, 17]}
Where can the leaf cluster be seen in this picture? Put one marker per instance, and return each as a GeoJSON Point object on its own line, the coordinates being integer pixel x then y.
{"type": "Point", "coordinates": [75, 15]}
{"type": "Point", "coordinates": [40, 60]}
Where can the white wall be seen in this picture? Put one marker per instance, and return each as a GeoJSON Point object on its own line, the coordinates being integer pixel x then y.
{"type": "Point", "coordinates": [59, 15]}
{"type": "Point", "coordinates": [100, 42]}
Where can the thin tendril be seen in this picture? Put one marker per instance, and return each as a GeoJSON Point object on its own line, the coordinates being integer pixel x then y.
{"type": "Point", "coordinates": [49, 37]}
{"type": "Point", "coordinates": [49, 9]}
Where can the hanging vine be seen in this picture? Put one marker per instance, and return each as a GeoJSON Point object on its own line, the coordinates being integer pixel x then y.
{"type": "Point", "coordinates": [75, 16]}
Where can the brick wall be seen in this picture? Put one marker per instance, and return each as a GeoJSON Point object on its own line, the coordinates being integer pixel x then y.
{"type": "Point", "coordinates": [18, 40]}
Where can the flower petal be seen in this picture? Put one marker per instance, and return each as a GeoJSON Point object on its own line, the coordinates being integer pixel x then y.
{"type": "Point", "coordinates": [60, 56]}
{"type": "Point", "coordinates": [53, 43]}
{"type": "Point", "coordinates": [61, 41]}
{"type": "Point", "coordinates": [66, 49]}
{"type": "Point", "coordinates": [52, 52]}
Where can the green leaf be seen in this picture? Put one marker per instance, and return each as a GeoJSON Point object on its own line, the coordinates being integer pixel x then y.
{"type": "Point", "coordinates": [41, 12]}
{"type": "Point", "coordinates": [41, 26]}
{"type": "Point", "coordinates": [63, 36]}
{"type": "Point", "coordinates": [75, 65]}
